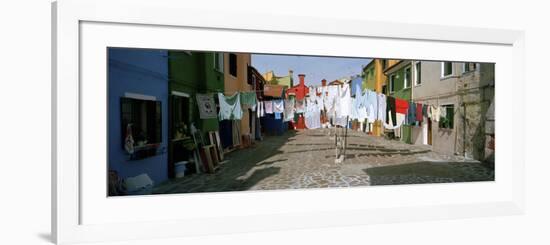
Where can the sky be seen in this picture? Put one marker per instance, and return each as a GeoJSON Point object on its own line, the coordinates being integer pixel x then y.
{"type": "Point", "coordinates": [315, 68]}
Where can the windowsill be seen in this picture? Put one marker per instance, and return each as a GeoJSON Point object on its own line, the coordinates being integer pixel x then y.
{"type": "Point", "coordinates": [447, 77]}
{"type": "Point", "coordinates": [468, 72]}
{"type": "Point", "coordinates": [417, 85]}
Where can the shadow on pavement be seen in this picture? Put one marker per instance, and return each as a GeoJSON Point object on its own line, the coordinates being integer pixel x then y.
{"type": "Point", "coordinates": [429, 172]}
{"type": "Point", "coordinates": [243, 169]}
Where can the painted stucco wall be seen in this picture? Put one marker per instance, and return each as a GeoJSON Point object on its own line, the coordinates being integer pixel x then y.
{"type": "Point", "coordinates": [369, 79]}
{"type": "Point", "coordinates": [143, 72]}
{"type": "Point", "coordinates": [238, 83]}
{"type": "Point", "coordinates": [192, 73]}
{"type": "Point", "coordinates": [432, 82]}
{"type": "Point", "coordinates": [476, 95]}
{"type": "Point", "coordinates": [471, 93]}
{"type": "Point", "coordinates": [399, 90]}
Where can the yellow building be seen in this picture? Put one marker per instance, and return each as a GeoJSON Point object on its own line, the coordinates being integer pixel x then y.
{"type": "Point", "coordinates": [287, 81]}
{"type": "Point", "coordinates": [373, 74]}
{"type": "Point", "coordinates": [375, 80]}
{"type": "Point", "coordinates": [236, 80]}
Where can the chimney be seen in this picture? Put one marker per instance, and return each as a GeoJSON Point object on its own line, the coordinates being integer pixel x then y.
{"type": "Point", "coordinates": [302, 76]}
{"type": "Point", "coordinates": [324, 82]}
{"type": "Point", "coordinates": [291, 75]}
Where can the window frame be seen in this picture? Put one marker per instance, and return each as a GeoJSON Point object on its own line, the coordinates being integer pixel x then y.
{"type": "Point", "coordinates": [452, 124]}
{"type": "Point", "coordinates": [467, 64]}
{"type": "Point", "coordinates": [417, 73]}
{"type": "Point", "coordinates": [236, 69]}
{"type": "Point", "coordinates": [443, 75]}
{"type": "Point", "coordinates": [407, 83]}
{"type": "Point", "coordinates": [218, 61]}
{"type": "Point", "coordinates": [392, 82]}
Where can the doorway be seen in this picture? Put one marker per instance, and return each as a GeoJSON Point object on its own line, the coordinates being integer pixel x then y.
{"type": "Point", "coordinates": [179, 124]}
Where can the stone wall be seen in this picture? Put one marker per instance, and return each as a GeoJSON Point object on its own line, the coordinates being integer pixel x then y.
{"type": "Point", "coordinates": [475, 94]}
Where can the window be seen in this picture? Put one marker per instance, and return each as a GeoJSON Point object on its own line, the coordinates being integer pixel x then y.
{"type": "Point", "coordinates": [218, 62]}
{"type": "Point", "coordinates": [469, 66]}
{"type": "Point", "coordinates": [142, 119]}
{"type": "Point", "coordinates": [447, 116]}
{"type": "Point", "coordinates": [233, 64]}
{"type": "Point", "coordinates": [407, 79]}
{"type": "Point", "coordinates": [384, 64]}
{"type": "Point", "coordinates": [392, 83]}
{"type": "Point", "coordinates": [446, 69]}
{"type": "Point", "coordinates": [417, 73]}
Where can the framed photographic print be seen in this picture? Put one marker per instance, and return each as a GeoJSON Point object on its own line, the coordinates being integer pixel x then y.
{"type": "Point", "coordinates": [171, 125]}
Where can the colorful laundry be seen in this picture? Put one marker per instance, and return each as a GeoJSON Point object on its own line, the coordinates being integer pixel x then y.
{"type": "Point", "coordinates": [268, 105]}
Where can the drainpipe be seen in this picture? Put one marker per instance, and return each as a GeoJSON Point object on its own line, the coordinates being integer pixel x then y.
{"type": "Point", "coordinates": [464, 130]}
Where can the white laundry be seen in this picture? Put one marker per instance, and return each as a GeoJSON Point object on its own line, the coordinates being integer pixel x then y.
{"type": "Point", "coordinates": [268, 105]}
{"type": "Point", "coordinates": [435, 113]}
{"type": "Point", "coordinates": [278, 106]}
{"type": "Point", "coordinates": [400, 118]}
{"type": "Point", "coordinates": [344, 101]}
{"type": "Point", "coordinates": [381, 115]}
{"type": "Point", "coordinates": [330, 99]}
{"type": "Point", "coordinates": [230, 107]}
{"type": "Point", "coordinates": [312, 115]}
{"type": "Point", "coordinates": [371, 103]}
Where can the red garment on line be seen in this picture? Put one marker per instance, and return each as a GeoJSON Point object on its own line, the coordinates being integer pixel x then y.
{"type": "Point", "coordinates": [419, 115]}
{"type": "Point", "coordinates": [401, 106]}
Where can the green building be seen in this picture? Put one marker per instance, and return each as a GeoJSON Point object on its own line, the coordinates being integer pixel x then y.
{"type": "Point", "coordinates": [400, 86]}
{"type": "Point", "coordinates": [191, 73]}
{"type": "Point", "coordinates": [369, 78]}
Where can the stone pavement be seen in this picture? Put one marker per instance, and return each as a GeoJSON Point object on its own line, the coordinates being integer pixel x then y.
{"type": "Point", "coordinates": [306, 159]}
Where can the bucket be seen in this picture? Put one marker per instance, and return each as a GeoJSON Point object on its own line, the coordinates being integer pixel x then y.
{"type": "Point", "coordinates": [180, 168]}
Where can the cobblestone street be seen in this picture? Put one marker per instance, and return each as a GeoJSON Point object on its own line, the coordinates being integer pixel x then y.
{"type": "Point", "coordinates": [306, 159]}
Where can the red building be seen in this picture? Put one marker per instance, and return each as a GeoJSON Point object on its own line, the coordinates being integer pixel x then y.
{"type": "Point", "coordinates": [300, 90]}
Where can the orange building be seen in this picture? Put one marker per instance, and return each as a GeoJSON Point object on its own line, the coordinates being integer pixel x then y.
{"type": "Point", "coordinates": [236, 80]}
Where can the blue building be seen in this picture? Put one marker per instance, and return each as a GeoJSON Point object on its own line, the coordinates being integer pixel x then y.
{"type": "Point", "coordinates": [138, 113]}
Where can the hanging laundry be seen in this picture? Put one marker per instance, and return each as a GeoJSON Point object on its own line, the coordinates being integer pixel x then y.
{"type": "Point", "coordinates": [411, 113]}
{"type": "Point", "coordinates": [436, 113]}
{"type": "Point", "coordinates": [277, 115]}
{"type": "Point", "coordinates": [312, 114]}
{"type": "Point", "coordinates": [248, 99]}
{"type": "Point", "coordinates": [260, 111]}
{"type": "Point", "coordinates": [330, 99]}
{"type": "Point", "coordinates": [344, 97]}
{"type": "Point", "coordinates": [401, 106]}
{"type": "Point", "coordinates": [289, 110]}
{"type": "Point", "coordinates": [278, 106]}
{"type": "Point", "coordinates": [268, 105]}
{"type": "Point", "coordinates": [319, 98]}
{"type": "Point", "coordinates": [419, 114]}
{"type": "Point", "coordinates": [300, 106]}
{"type": "Point", "coordinates": [358, 111]}
{"type": "Point", "coordinates": [399, 121]}
{"type": "Point", "coordinates": [371, 103]}
{"type": "Point", "coordinates": [207, 106]}
{"type": "Point", "coordinates": [381, 115]}
{"type": "Point", "coordinates": [230, 107]}
{"type": "Point", "coordinates": [425, 110]}
{"type": "Point", "coordinates": [390, 110]}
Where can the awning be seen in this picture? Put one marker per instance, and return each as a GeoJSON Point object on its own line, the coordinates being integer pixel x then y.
{"type": "Point", "coordinates": [273, 90]}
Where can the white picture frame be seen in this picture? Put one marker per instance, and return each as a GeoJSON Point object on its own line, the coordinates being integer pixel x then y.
{"type": "Point", "coordinates": [79, 212]}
